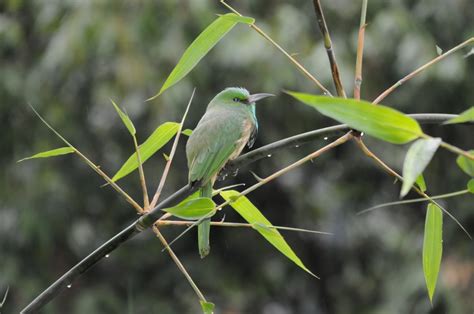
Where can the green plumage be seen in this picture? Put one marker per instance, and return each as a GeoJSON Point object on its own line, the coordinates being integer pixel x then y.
{"type": "Point", "coordinates": [221, 134]}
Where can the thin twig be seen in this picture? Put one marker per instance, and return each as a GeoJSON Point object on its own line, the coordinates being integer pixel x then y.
{"type": "Point", "coordinates": [420, 69]}
{"type": "Point", "coordinates": [271, 177]}
{"type": "Point", "coordinates": [360, 50]}
{"type": "Point", "coordinates": [146, 201]}
{"type": "Point", "coordinates": [179, 264]}
{"type": "Point", "coordinates": [235, 224]}
{"type": "Point", "coordinates": [457, 150]}
{"type": "Point", "coordinates": [290, 57]}
{"type": "Point", "coordinates": [416, 200]}
{"type": "Point", "coordinates": [171, 156]}
{"type": "Point", "coordinates": [392, 172]}
{"type": "Point", "coordinates": [329, 49]}
{"type": "Point", "coordinates": [97, 169]}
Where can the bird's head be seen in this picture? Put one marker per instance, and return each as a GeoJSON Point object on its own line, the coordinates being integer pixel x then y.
{"type": "Point", "coordinates": [238, 96]}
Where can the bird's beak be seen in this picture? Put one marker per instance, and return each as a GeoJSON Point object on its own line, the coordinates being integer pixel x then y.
{"type": "Point", "coordinates": [256, 97]}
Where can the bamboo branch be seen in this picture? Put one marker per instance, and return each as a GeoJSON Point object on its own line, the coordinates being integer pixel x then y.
{"type": "Point", "coordinates": [421, 69]}
{"type": "Point", "coordinates": [329, 49]}
{"type": "Point", "coordinates": [179, 264]}
{"type": "Point", "coordinates": [392, 172]}
{"type": "Point", "coordinates": [148, 219]}
{"type": "Point", "coordinates": [415, 200]}
{"type": "Point", "coordinates": [360, 50]}
{"type": "Point", "coordinates": [276, 45]}
{"type": "Point", "coordinates": [171, 156]}
{"type": "Point", "coordinates": [146, 201]}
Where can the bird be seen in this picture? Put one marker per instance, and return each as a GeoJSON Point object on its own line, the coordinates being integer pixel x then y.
{"type": "Point", "coordinates": [229, 123]}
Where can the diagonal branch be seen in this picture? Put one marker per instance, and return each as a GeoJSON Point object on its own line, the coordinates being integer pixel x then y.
{"type": "Point", "coordinates": [421, 69]}
{"type": "Point", "coordinates": [290, 57]}
{"type": "Point", "coordinates": [329, 49]}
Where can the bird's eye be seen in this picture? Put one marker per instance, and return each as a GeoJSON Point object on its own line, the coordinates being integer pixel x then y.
{"type": "Point", "coordinates": [236, 99]}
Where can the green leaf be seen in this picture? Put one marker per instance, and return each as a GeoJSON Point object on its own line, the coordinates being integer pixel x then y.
{"type": "Point", "coordinates": [187, 132]}
{"type": "Point", "coordinates": [162, 135]}
{"type": "Point", "coordinates": [253, 216]}
{"type": "Point", "coordinates": [192, 209]}
{"type": "Point", "coordinates": [418, 157]}
{"type": "Point", "coordinates": [51, 153]}
{"type": "Point", "coordinates": [420, 181]}
{"type": "Point", "coordinates": [125, 119]}
{"type": "Point", "coordinates": [465, 116]}
{"type": "Point", "coordinates": [201, 46]}
{"type": "Point", "coordinates": [470, 186]}
{"type": "Point", "coordinates": [466, 164]}
{"type": "Point", "coordinates": [376, 120]}
{"type": "Point", "coordinates": [432, 247]}
{"type": "Point", "coordinates": [207, 307]}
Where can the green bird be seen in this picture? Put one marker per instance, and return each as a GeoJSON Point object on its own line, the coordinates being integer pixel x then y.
{"type": "Point", "coordinates": [228, 125]}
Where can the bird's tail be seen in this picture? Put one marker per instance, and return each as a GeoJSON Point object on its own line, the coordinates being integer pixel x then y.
{"type": "Point", "coordinates": [204, 228]}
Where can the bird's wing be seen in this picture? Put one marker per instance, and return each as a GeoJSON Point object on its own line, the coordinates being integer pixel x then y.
{"type": "Point", "coordinates": [211, 145]}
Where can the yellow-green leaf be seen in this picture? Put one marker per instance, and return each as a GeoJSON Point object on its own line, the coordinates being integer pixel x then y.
{"type": "Point", "coordinates": [466, 164]}
{"type": "Point", "coordinates": [465, 116]}
{"type": "Point", "coordinates": [253, 216]}
{"type": "Point", "coordinates": [420, 181]}
{"type": "Point", "coordinates": [432, 247]}
{"type": "Point", "coordinates": [201, 46]}
{"type": "Point", "coordinates": [187, 132]}
{"type": "Point", "coordinates": [418, 157]}
{"type": "Point", "coordinates": [194, 208]}
{"type": "Point", "coordinates": [162, 135]}
{"type": "Point", "coordinates": [470, 186]}
{"type": "Point", "coordinates": [125, 119]}
{"type": "Point", "coordinates": [379, 121]}
{"type": "Point", "coordinates": [51, 153]}
{"type": "Point", "coordinates": [207, 307]}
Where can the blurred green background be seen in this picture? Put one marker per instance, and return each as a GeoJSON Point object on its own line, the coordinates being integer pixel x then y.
{"type": "Point", "coordinates": [67, 58]}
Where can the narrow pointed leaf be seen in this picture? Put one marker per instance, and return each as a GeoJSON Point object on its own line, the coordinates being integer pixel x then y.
{"type": "Point", "coordinates": [162, 135]}
{"type": "Point", "coordinates": [466, 116]}
{"type": "Point", "coordinates": [187, 132]}
{"type": "Point", "coordinates": [51, 153]}
{"type": "Point", "coordinates": [253, 216]}
{"type": "Point", "coordinates": [125, 119]}
{"type": "Point", "coordinates": [207, 307]}
{"type": "Point", "coordinates": [192, 209]}
{"type": "Point", "coordinates": [378, 121]}
{"type": "Point", "coordinates": [466, 164]}
{"type": "Point", "coordinates": [418, 157]}
{"type": "Point", "coordinates": [432, 247]}
{"type": "Point", "coordinates": [201, 46]}
{"type": "Point", "coordinates": [420, 182]}
{"type": "Point", "coordinates": [470, 186]}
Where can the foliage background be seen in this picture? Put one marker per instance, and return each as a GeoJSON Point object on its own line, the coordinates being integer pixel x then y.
{"type": "Point", "coordinates": [68, 57]}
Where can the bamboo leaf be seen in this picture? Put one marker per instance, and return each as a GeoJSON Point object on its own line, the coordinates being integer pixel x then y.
{"type": "Point", "coordinates": [420, 181]}
{"type": "Point", "coordinates": [417, 158]}
{"type": "Point", "coordinates": [187, 132]}
{"type": "Point", "coordinates": [192, 209]}
{"type": "Point", "coordinates": [465, 116]}
{"type": "Point", "coordinates": [253, 216]}
{"type": "Point", "coordinates": [379, 121]}
{"type": "Point", "coordinates": [432, 247]}
{"type": "Point", "coordinates": [51, 153]}
{"type": "Point", "coordinates": [207, 307]}
{"type": "Point", "coordinates": [466, 164]}
{"type": "Point", "coordinates": [162, 135]}
{"type": "Point", "coordinates": [201, 46]}
{"type": "Point", "coordinates": [470, 186]}
{"type": "Point", "coordinates": [125, 119]}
